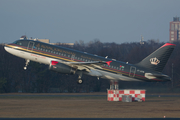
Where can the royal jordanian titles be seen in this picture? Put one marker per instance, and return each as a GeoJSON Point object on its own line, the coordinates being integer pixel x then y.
{"type": "Point", "coordinates": [68, 61]}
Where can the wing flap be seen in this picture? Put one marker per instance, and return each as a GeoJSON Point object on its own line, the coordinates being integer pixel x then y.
{"type": "Point", "coordinates": [87, 66]}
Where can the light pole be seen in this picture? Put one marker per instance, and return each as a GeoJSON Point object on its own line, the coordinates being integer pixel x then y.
{"type": "Point", "coordinates": [172, 75]}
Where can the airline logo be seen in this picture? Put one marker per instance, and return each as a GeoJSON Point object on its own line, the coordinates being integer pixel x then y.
{"type": "Point", "coordinates": [121, 66]}
{"type": "Point", "coordinates": [154, 61]}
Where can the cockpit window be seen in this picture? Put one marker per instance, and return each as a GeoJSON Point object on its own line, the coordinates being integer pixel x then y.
{"type": "Point", "coordinates": [15, 42]}
{"type": "Point", "coordinates": [18, 42]}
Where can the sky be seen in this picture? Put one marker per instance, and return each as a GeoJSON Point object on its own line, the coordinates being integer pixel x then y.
{"type": "Point", "coordinates": [67, 21]}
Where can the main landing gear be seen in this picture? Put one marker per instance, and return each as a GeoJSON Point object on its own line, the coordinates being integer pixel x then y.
{"type": "Point", "coordinates": [27, 62]}
{"type": "Point", "coordinates": [80, 81]}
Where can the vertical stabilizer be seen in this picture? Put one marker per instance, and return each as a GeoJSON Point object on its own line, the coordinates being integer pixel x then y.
{"type": "Point", "coordinates": [158, 59]}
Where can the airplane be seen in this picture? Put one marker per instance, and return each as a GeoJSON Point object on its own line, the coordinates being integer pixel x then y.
{"type": "Point", "coordinates": [68, 61]}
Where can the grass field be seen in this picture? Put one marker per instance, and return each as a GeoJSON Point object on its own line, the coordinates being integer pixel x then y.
{"type": "Point", "coordinates": [86, 105]}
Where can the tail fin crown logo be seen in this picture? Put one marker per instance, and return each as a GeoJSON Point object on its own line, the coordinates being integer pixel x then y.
{"type": "Point", "coordinates": [154, 61]}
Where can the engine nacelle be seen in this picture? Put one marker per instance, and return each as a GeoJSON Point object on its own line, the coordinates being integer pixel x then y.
{"type": "Point", "coordinates": [61, 68]}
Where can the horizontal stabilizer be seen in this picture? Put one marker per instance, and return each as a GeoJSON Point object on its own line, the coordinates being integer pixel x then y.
{"type": "Point", "coordinates": [156, 76]}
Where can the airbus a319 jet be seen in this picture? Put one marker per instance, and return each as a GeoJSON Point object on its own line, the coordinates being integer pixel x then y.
{"type": "Point", "coordinates": [68, 61]}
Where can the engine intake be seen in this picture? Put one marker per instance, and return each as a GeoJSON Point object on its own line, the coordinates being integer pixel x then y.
{"type": "Point", "coordinates": [61, 68]}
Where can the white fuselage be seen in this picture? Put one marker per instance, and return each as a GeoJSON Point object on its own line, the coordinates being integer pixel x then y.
{"type": "Point", "coordinates": [46, 60]}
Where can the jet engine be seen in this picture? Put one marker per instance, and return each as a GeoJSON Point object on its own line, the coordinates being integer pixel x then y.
{"type": "Point", "coordinates": [61, 68]}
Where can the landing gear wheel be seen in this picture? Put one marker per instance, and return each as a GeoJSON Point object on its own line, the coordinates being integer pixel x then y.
{"type": "Point", "coordinates": [79, 81]}
{"type": "Point", "coordinates": [25, 68]}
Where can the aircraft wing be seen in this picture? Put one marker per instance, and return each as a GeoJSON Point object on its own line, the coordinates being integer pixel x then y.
{"type": "Point", "coordinates": [87, 66]}
{"type": "Point", "coordinates": [86, 63]}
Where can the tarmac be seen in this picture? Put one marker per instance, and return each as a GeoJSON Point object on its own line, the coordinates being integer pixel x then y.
{"type": "Point", "coordinates": [86, 105]}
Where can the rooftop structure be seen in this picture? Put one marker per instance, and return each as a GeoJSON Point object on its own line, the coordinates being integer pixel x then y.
{"type": "Point", "coordinates": [174, 30]}
{"type": "Point", "coordinates": [44, 40]}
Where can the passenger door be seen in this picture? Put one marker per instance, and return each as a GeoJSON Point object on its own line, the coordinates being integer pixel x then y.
{"type": "Point", "coordinates": [30, 45]}
{"type": "Point", "coordinates": [132, 71]}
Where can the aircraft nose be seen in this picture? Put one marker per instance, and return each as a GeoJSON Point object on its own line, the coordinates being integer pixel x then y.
{"type": "Point", "coordinates": [7, 48]}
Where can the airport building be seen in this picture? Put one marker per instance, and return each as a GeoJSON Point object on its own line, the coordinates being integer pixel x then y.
{"type": "Point", "coordinates": [174, 30]}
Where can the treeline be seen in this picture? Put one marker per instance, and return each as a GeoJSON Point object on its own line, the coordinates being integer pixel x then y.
{"type": "Point", "coordinates": [37, 78]}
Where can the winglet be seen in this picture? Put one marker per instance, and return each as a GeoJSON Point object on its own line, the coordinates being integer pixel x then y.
{"type": "Point", "coordinates": [108, 62]}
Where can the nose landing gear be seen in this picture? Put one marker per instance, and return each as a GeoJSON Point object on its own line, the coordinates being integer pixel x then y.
{"type": "Point", "coordinates": [27, 62]}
